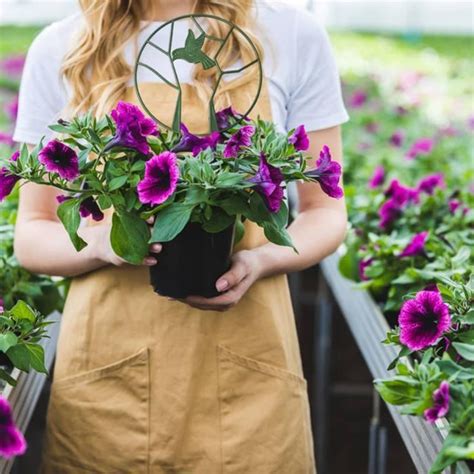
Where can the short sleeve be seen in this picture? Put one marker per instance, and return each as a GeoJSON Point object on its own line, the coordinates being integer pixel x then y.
{"type": "Point", "coordinates": [315, 97]}
{"type": "Point", "coordinates": [42, 92]}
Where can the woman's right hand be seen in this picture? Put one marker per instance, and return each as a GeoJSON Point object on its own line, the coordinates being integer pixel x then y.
{"type": "Point", "coordinates": [102, 248]}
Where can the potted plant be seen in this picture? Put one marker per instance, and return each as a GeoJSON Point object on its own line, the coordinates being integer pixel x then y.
{"type": "Point", "coordinates": [198, 189]}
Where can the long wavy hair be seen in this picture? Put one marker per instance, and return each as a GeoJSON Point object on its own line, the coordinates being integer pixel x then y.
{"type": "Point", "coordinates": [98, 73]}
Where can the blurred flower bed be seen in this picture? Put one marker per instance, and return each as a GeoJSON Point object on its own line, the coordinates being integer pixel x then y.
{"type": "Point", "coordinates": [409, 186]}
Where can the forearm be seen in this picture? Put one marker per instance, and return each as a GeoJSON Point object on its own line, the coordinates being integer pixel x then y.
{"type": "Point", "coordinates": [316, 233]}
{"type": "Point", "coordinates": [43, 246]}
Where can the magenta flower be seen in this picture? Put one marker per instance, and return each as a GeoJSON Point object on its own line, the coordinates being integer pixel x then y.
{"type": "Point", "coordinates": [440, 403]}
{"type": "Point", "coordinates": [195, 144]}
{"type": "Point", "coordinates": [455, 204]}
{"type": "Point", "coordinates": [423, 320]}
{"type": "Point", "coordinates": [59, 158]}
{"type": "Point", "coordinates": [299, 139]}
{"type": "Point", "coordinates": [416, 245]}
{"type": "Point", "coordinates": [429, 183]}
{"type": "Point", "coordinates": [13, 65]}
{"type": "Point", "coordinates": [358, 99]}
{"type": "Point", "coordinates": [243, 137]}
{"type": "Point", "coordinates": [15, 156]}
{"type": "Point", "coordinates": [11, 109]}
{"type": "Point", "coordinates": [132, 128]}
{"type": "Point", "coordinates": [327, 173]}
{"type": "Point", "coordinates": [6, 139]}
{"type": "Point", "coordinates": [267, 182]}
{"type": "Point", "coordinates": [61, 198]}
{"type": "Point", "coordinates": [7, 183]}
{"type": "Point", "coordinates": [397, 138]}
{"type": "Point", "coordinates": [89, 207]}
{"type": "Point", "coordinates": [363, 265]}
{"type": "Point", "coordinates": [422, 146]}
{"type": "Point", "coordinates": [2, 309]}
{"type": "Point", "coordinates": [161, 178]}
{"type": "Point", "coordinates": [389, 211]}
{"type": "Point", "coordinates": [377, 178]}
{"type": "Point", "coordinates": [12, 442]}
{"type": "Point", "coordinates": [401, 194]}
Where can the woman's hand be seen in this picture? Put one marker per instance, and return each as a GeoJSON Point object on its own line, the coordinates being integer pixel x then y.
{"type": "Point", "coordinates": [233, 285]}
{"type": "Point", "coordinates": [104, 252]}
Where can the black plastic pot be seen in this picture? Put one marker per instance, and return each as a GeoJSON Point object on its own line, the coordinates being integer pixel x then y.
{"type": "Point", "coordinates": [192, 262]}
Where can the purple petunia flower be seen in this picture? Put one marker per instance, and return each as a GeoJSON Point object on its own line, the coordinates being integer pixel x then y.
{"type": "Point", "coordinates": [423, 320]}
{"type": "Point", "coordinates": [13, 65]}
{"type": "Point", "coordinates": [299, 139]}
{"type": "Point", "coordinates": [243, 137]}
{"type": "Point", "coordinates": [6, 139]}
{"type": "Point", "coordinates": [455, 204]}
{"type": "Point", "coordinates": [397, 138]}
{"type": "Point", "coordinates": [12, 442]}
{"type": "Point", "coordinates": [416, 245]}
{"type": "Point", "coordinates": [267, 182]}
{"type": "Point", "coordinates": [377, 178]}
{"type": "Point", "coordinates": [161, 178]}
{"type": "Point", "coordinates": [61, 198]}
{"type": "Point", "coordinates": [89, 207]}
{"type": "Point", "coordinates": [429, 183]}
{"type": "Point", "coordinates": [132, 128]}
{"type": "Point", "coordinates": [11, 109]}
{"type": "Point", "coordinates": [15, 156]}
{"type": "Point", "coordinates": [402, 194]}
{"type": "Point", "coordinates": [327, 173]}
{"type": "Point", "coordinates": [7, 183]}
{"type": "Point", "coordinates": [195, 144]}
{"type": "Point", "coordinates": [422, 146]}
{"type": "Point", "coordinates": [363, 265]}
{"type": "Point", "coordinates": [59, 158]}
{"type": "Point", "coordinates": [358, 99]}
{"type": "Point", "coordinates": [440, 403]}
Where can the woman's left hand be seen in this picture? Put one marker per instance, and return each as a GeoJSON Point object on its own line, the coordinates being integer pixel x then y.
{"type": "Point", "coordinates": [233, 285]}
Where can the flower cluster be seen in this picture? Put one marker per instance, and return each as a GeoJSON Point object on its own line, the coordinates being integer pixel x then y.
{"type": "Point", "coordinates": [140, 171]}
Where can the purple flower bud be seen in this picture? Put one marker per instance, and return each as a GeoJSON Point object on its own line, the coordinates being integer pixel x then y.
{"type": "Point", "coordinates": [327, 173]}
{"type": "Point", "coordinates": [241, 138]}
{"type": "Point", "coordinates": [363, 265]}
{"type": "Point", "coordinates": [267, 182]}
{"type": "Point", "coordinates": [133, 128]}
{"type": "Point", "coordinates": [7, 183]}
{"type": "Point", "coordinates": [429, 183]}
{"type": "Point", "coordinates": [440, 405]}
{"type": "Point", "coordinates": [89, 207]}
{"type": "Point", "coordinates": [299, 139]}
{"type": "Point", "coordinates": [397, 138]}
{"type": "Point", "coordinates": [193, 143]}
{"type": "Point", "coordinates": [358, 99]}
{"type": "Point", "coordinates": [378, 177]}
{"type": "Point", "coordinates": [15, 156]}
{"type": "Point", "coordinates": [416, 245]}
{"type": "Point", "coordinates": [422, 146]}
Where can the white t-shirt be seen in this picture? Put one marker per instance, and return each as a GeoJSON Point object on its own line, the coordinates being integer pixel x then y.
{"type": "Point", "coordinates": [299, 67]}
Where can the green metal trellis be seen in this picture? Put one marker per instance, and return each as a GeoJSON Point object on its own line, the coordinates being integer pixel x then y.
{"type": "Point", "coordinates": [192, 53]}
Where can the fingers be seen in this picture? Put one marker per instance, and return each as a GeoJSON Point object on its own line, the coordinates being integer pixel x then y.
{"type": "Point", "coordinates": [156, 247]}
{"type": "Point", "coordinates": [233, 277]}
{"type": "Point", "coordinates": [150, 220]}
{"type": "Point", "coordinates": [149, 261]}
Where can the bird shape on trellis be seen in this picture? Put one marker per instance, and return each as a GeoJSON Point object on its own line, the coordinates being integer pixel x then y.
{"type": "Point", "coordinates": [192, 51]}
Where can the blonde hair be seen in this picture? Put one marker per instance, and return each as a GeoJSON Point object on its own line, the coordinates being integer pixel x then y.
{"type": "Point", "coordinates": [98, 73]}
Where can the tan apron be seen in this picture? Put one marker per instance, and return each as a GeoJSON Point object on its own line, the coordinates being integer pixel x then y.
{"type": "Point", "coordinates": [147, 385]}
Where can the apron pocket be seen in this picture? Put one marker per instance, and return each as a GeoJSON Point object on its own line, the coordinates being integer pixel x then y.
{"type": "Point", "coordinates": [264, 417]}
{"type": "Point", "coordinates": [98, 421]}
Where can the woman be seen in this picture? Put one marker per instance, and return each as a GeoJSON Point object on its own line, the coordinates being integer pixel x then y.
{"type": "Point", "coordinates": [143, 383]}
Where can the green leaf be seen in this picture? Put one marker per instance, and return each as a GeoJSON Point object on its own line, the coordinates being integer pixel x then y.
{"type": "Point", "coordinates": [220, 220]}
{"type": "Point", "coordinates": [118, 182]}
{"type": "Point", "coordinates": [228, 180]}
{"type": "Point", "coordinates": [171, 221]}
{"type": "Point", "coordinates": [398, 391]}
{"type": "Point", "coordinates": [21, 310]}
{"type": "Point", "coordinates": [20, 357]}
{"type": "Point", "coordinates": [68, 213]}
{"type": "Point", "coordinates": [236, 204]}
{"type": "Point", "coordinates": [469, 317]}
{"type": "Point", "coordinates": [7, 340]}
{"type": "Point", "coordinates": [465, 350]}
{"type": "Point", "coordinates": [455, 447]}
{"type": "Point", "coordinates": [4, 375]}
{"type": "Point", "coordinates": [36, 357]}
{"type": "Point", "coordinates": [129, 237]}
{"type": "Point", "coordinates": [278, 236]}
{"type": "Point", "coordinates": [239, 230]}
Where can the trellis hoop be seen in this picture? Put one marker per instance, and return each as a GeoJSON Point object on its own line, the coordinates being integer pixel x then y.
{"type": "Point", "coordinates": [192, 53]}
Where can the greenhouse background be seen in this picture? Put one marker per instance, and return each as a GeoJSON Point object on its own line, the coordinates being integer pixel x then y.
{"type": "Point", "coordinates": [406, 69]}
